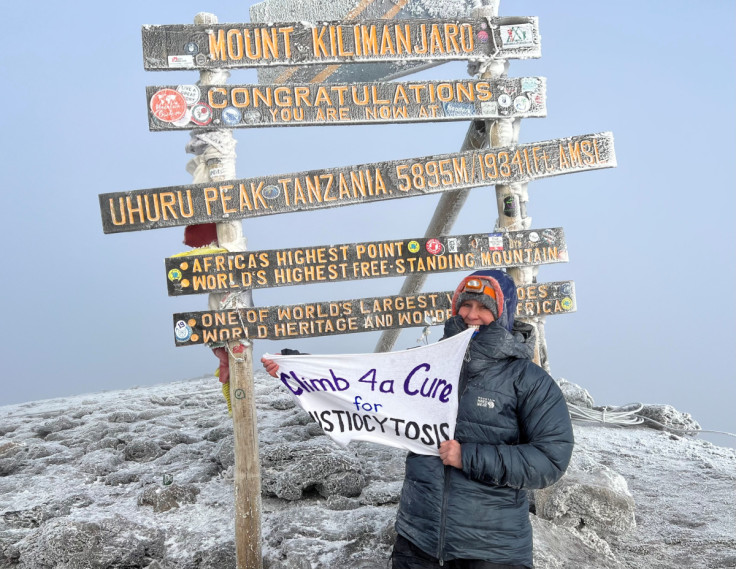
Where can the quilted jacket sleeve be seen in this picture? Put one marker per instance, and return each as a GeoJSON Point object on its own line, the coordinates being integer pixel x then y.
{"type": "Point", "coordinates": [546, 439]}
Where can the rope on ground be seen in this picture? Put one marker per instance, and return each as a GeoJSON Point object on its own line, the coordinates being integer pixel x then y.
{"type": "Point", "coordinates": [627, 416]}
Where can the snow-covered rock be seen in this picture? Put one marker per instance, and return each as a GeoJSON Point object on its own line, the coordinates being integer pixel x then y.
{"type": "Point", "coordinates": [598, 500]}
{"type": "Point", "coordinates": [664, 416]}
{"type": "Point", "coordinates": [575, 394]}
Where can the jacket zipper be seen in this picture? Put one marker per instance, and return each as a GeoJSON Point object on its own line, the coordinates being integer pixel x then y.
{"type": "Point", "coordinates": [443, 518]}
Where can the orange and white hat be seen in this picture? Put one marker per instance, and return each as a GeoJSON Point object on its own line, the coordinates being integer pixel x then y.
{"type": "Point", "coordinates": [482, 288]}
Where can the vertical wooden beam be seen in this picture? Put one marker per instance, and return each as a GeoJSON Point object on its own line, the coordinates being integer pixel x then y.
{"type": "Point", "coordinates": [247, 460]}
{"type": "Point", "coordinates": [247, 469]}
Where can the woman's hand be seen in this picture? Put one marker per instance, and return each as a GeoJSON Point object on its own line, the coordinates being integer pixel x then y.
{"type": "Point", "coordinates": [451, 454]}
{"type": "Point", "coordinates": [271, 367]}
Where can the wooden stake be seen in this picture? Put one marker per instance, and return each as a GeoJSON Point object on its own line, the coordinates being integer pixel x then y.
{"type": "Point", "coordinates": [247, 460]}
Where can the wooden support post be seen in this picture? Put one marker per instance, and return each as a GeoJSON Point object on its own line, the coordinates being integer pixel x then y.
{"type": "Point", "coordinates": [247, 461]}
{"type": "Point", "coordinates": [215, 162]}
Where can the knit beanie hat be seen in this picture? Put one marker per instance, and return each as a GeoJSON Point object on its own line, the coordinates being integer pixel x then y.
{"type": "Point", "coordinates": [483, 289]}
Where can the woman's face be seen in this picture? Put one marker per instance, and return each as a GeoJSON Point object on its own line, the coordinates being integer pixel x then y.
{"type": "Point", "coordinates": [474, 313]}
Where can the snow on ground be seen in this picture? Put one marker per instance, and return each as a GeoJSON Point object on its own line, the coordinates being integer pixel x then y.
{"type": "Point", "coordinates": [96, 466]}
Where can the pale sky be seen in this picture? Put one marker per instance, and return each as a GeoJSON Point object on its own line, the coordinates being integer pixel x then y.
{"type": "Point", "coordinates": [651, 242]}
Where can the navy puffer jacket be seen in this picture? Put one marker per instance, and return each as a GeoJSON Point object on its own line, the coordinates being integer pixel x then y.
{"type": "Point", "coordinates": [515, 433]}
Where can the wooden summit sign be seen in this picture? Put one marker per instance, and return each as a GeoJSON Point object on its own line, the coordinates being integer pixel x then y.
{"type": "Point", "coordinates": [182, 107]}
{"type": "Point", "coordinates": [317, 189]}
{"type": "Point", "coordinates": [224, 46]}
{"type": "Point", "coordinates": [357, 315]}
{"type": "Point", "coordinates": [223, 272]}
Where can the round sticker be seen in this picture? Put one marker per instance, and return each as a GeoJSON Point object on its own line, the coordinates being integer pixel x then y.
{"type": "Point", "coordinates": [434, 247]}
{"type": "Point", "coordinates": [168, 105]}
{"type": "Point", "coordinates": [566, 303]}
{"type": "Point", "coordinates": [413, 246]}
{"type": "Point", "coordinates": [549, 236]}
{"type": "Point", "coordinates": [184, 121]}
{"type": "Point", "coordinates": [271, 192]}
{"type": "Point", "coordinates": [201, 114]}
{"type": "Point", "coordinates": [191, 48]}
{"type": "Point", "coordinates": [191, 93]}
{"type": "Point", "coordinates": [534, 237]}
{"type": "Point", "coordinates": [483, 37]}
{"type": "Point", "coordinates": [200, 59]}
{"type": "Point", "coordinates": [174, 275]}
{"type": "Point", "coordinates": [566, 289]}
{"type": "Point", "coordinates": [182, 331]}
{"type": "Point", "coordinates": [522, 103]}
{"type": "Point", "coordinates": [504, 101]}
{"type": "Point", "coordinates": [231, 116]}
{"type": "Point", "coordinates": [252, 117]}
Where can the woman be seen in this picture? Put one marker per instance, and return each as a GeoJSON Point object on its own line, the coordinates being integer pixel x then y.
{"type": "Point", "coordinates": [468, 508]}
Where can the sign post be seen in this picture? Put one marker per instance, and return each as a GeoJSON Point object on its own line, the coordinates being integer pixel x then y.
{"type": "Point", "coordinates": [214, 162]}
{"type": "Point", "coordinates": [328, 93]}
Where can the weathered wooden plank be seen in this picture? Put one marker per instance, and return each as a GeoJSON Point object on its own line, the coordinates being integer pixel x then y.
{"type": "Point", "coordinates": [224, 272]}
{"type": "Point", "coordinates": [239, 45]}
{"type": "Point", "coordinates": [184, 107]}
{"type": "Point", "coordinates": [350, 316]}
{"type": "Point", "coordinates": [317, 189]}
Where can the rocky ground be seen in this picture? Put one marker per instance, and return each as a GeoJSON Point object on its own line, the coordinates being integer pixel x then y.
{"type": "Point", "coordinates": [143, 478]}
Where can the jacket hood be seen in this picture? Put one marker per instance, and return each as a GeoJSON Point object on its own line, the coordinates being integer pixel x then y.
{"type": "Point", "coordinates": [505, 290]}
{"type": "Point", "coordinates": [494, 342]}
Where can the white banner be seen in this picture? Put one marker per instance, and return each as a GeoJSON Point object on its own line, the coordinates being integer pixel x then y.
{"type": "Point", "coordinates": [405, 399]}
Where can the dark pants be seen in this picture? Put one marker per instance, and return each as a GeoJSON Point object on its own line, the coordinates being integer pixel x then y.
{"type": "Point", "coordinates": [406, 555]}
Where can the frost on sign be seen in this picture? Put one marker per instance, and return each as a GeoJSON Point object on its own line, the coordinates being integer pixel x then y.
{"type": "Point", "coordinates": [304, 43]}
{"type": "Point", "coordinates": [362, 183]}
{"type": "Point", "coordinates": [304, 104]}
{"type": "Point", "coordinates": [226, 272]}
{"type": "Point", "coordinates": [352, 316]}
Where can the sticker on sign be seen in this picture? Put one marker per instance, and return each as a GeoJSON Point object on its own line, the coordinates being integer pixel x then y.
{"type": "Point", "coordinates": [520, 35]}
{"type": "Point", "coordinates": [168, 105]}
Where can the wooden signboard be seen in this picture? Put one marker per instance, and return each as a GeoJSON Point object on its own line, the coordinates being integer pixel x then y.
{"type": "Point", "coordinates": [234, 45]}
{"type": "Point", "coordinates": [350, 316]}
{"type": "Point", "coordinates": [254, 197]}
{"type": "Point", "coordinates": [184, 107]}
{"type": "Point", "coordinates": [224, 272]}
